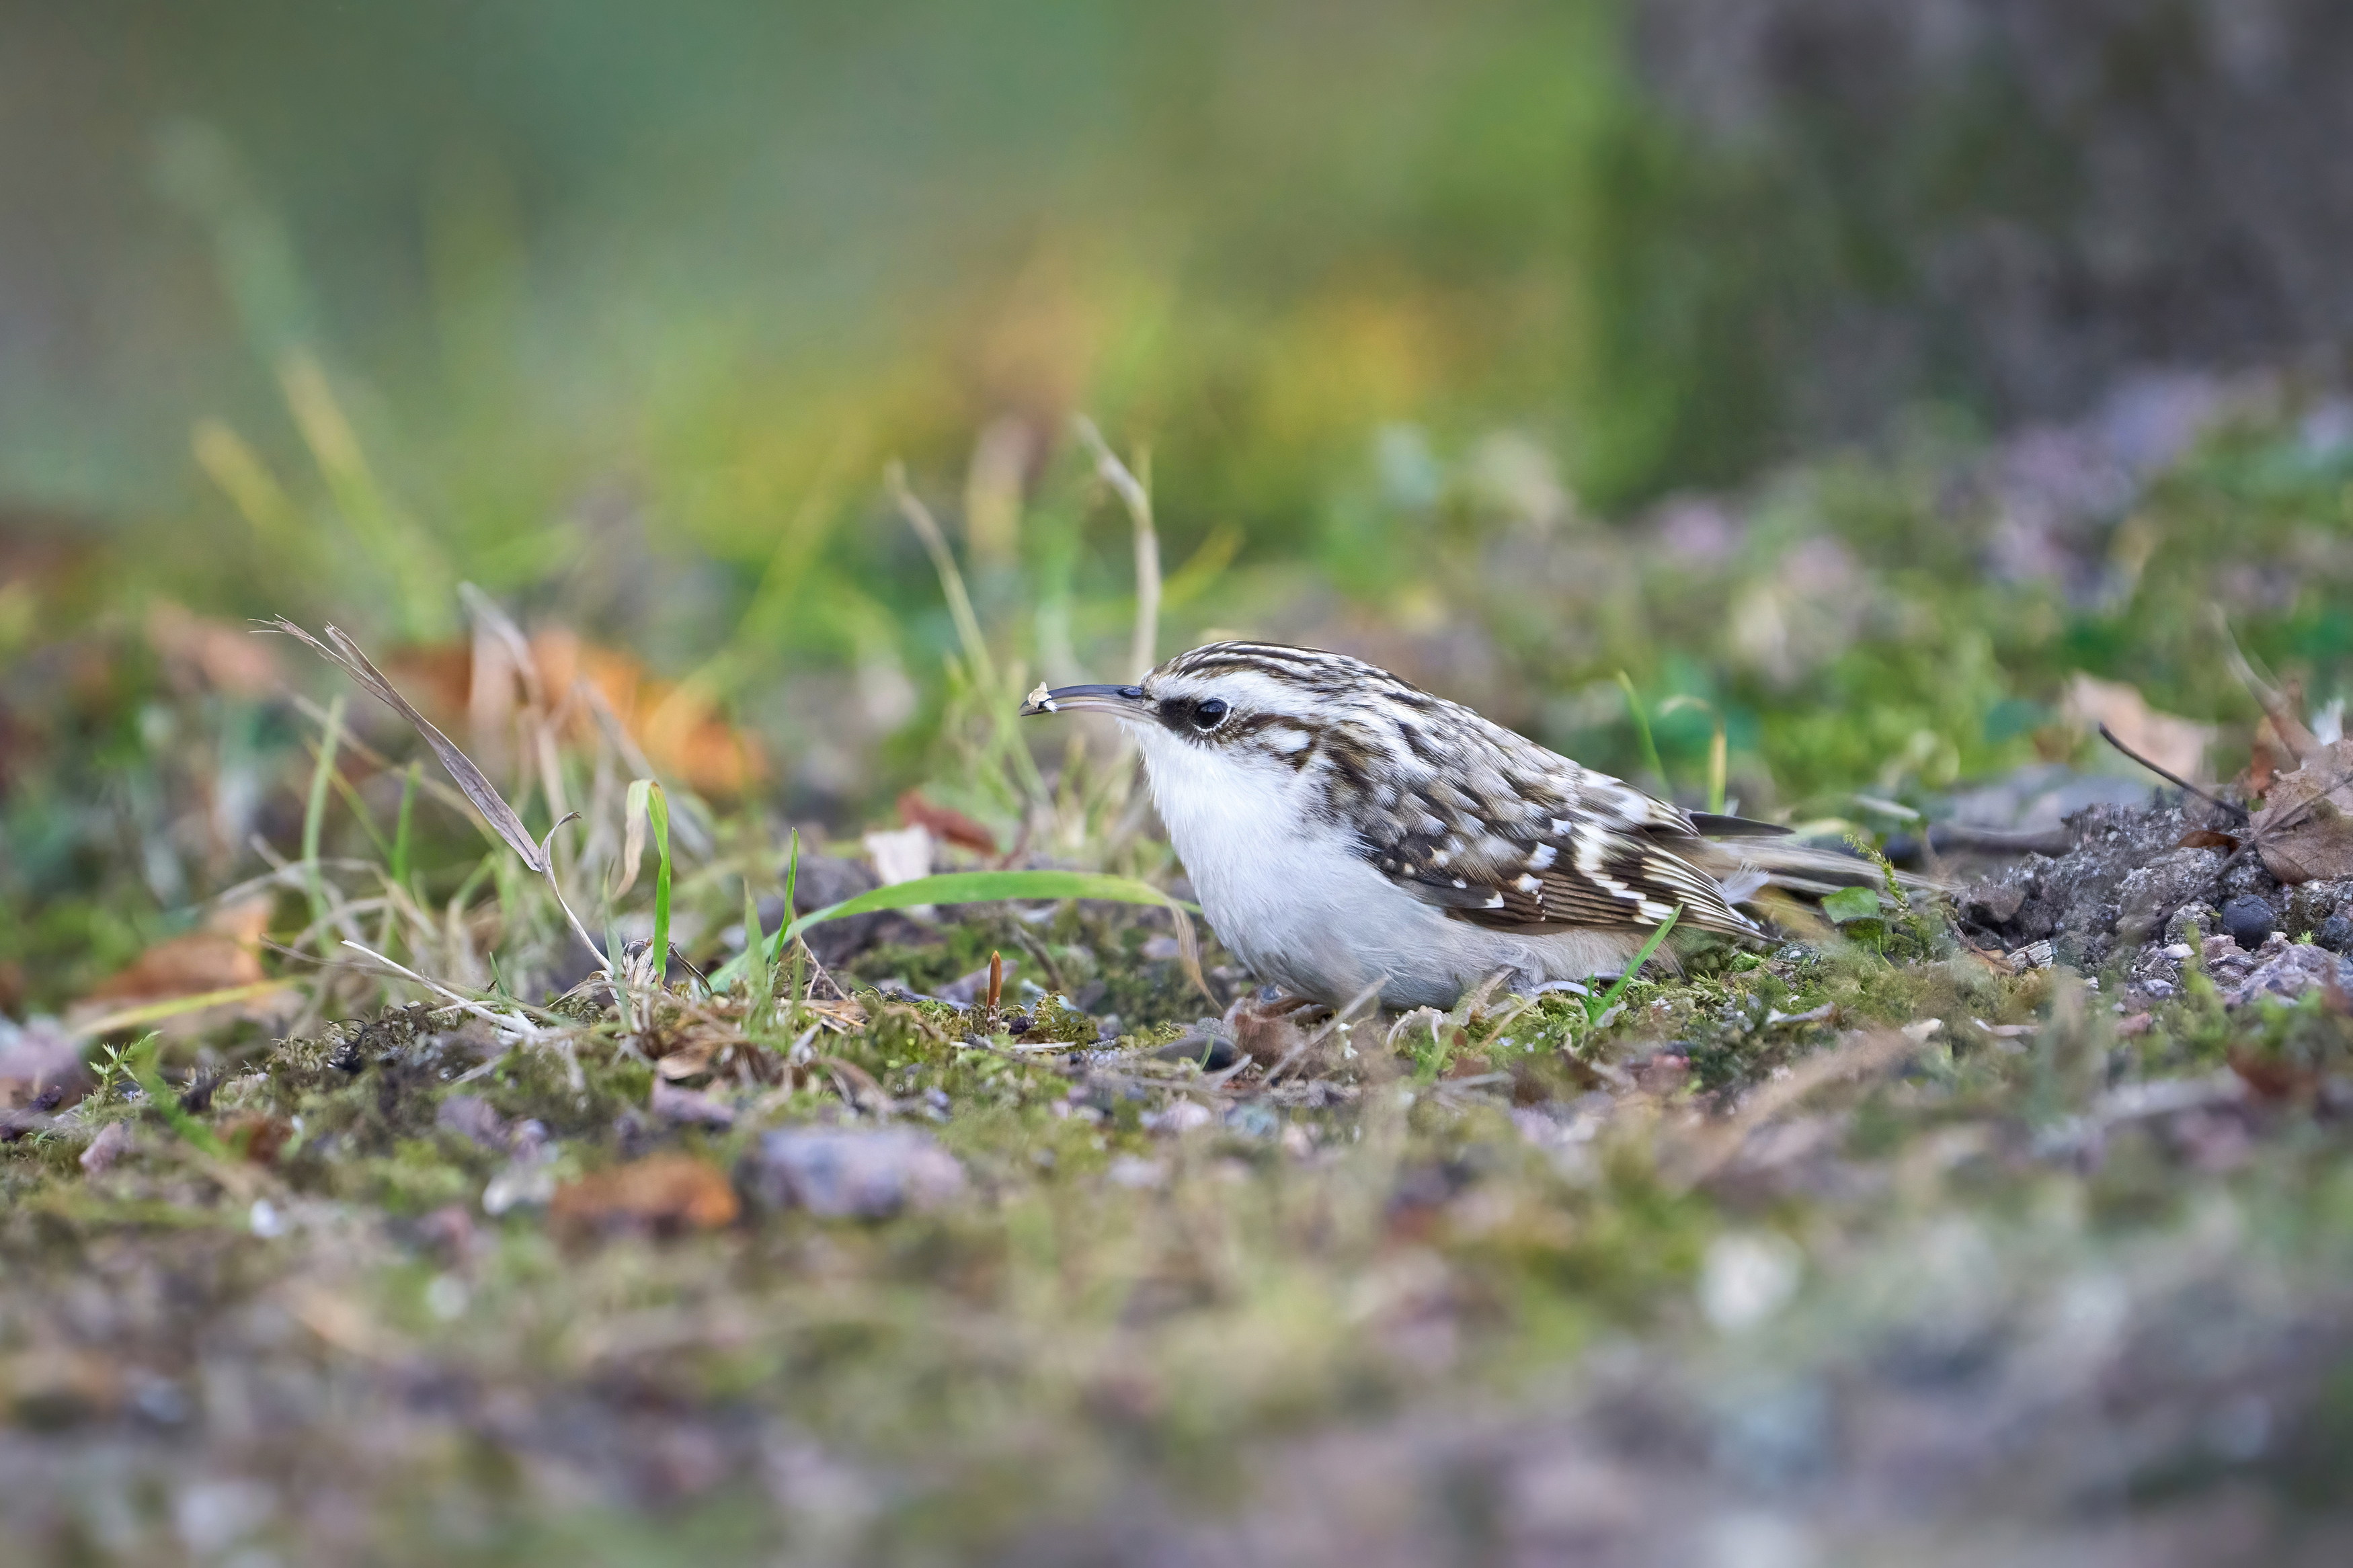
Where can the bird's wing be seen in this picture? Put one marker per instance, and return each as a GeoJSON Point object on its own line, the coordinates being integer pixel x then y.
{"type": "Point", "coordinates": [1505, 833]}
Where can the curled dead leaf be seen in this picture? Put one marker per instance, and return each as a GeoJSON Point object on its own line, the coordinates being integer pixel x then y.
{"type": "Point", "coordinates": [2305, 831]}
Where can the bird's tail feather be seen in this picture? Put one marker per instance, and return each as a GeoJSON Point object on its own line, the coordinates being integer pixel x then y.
{"type": "Point", "coordinates": [1750, 866]}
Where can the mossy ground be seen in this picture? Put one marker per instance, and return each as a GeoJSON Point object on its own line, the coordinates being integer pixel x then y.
{"type": "Point", "coordinates": [1742, 1247]}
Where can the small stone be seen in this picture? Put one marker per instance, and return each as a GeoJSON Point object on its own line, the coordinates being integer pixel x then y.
{"type": "Point", "coordinates": [1993, 903]}
{"type": "Point", "coordinates": [473, 1118]}
{"type": "Point", "coordinates": [1210, 1052]}
{"type": "Point", "coordinates": [113, 1141]}
{"type": "Point", "coordinates": [840, 1171]}
{"type": "Point", "coordinates": [2335, 933]}
{"type": "Point", "coordinates": [2287, 970]}
{"type": "Point", "coordinates": [687, 1108]}
{"type": "Point", "coordinates": [2248, 920]}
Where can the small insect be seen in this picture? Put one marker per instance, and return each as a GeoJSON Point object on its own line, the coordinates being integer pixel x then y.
{"type": "Point", "coordinates": [1342, 829]}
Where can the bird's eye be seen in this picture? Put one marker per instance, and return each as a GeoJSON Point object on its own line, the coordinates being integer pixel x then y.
{"type": "Point", "coordinates": [1208, 714]}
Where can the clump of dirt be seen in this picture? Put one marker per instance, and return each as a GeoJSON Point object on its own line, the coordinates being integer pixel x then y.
{"type": "Point", "coordinates": [2140, 886]}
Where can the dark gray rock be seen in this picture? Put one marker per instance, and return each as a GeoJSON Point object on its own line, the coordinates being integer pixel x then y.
{"type": "Point", "coordinates": [1993, 902]}
{"type": "Point", "coordinates": [2335, 933]}
{"type": "Point", "coordinates": [2249, 921]}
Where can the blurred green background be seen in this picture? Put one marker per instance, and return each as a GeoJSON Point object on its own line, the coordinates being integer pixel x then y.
{"type": "Point", "coordinates": [1861, 372]}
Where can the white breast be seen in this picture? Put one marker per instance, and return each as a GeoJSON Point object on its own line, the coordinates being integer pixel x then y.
{"type": "Point", "coordinates": [1293, 899]}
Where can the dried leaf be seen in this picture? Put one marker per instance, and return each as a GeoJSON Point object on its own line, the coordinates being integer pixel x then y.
{"type": "Point", "coordinates": [183, 966]}
{"type": "Point", "coordinates": [342, 650]}
{"type": "Point", "coordinates": [2305, 831]}
{"type": "Point", "coordinates": [198, 651]}
{"type": "Point", "coordinates": [633, 841]}
{"type": "Point", "coordinates": [2207, 838]}
{"type": "Point", "coordinates": [945, 823]}
{"type": "Point", "coordinates": [666, 1192]}
{"type": "Point", "coordinates": [2178, 745]}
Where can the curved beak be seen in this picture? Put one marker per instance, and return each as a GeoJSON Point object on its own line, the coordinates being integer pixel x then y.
{"type": "Point", "coordinates": [1127, 701]}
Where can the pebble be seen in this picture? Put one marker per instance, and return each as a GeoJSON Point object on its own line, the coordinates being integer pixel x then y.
{"type": "Point", "coordinates": [865, 1173]}
{"type": "Point", "coordinates": [2248, 920]}
{"type": "Point", "coordinates": [2335, 933]}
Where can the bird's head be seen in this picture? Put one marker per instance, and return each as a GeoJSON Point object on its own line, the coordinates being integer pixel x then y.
{"type": "Point", "coordinates": [1240, 703]}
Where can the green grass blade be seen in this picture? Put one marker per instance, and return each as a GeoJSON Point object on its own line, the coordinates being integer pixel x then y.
{"type": "Point", "coordinates": [156, 1012]}
{"type": "Point", "coordinates": [142, 1060]}
{"type": "Point", "coordinates": [1642, 731]}
{"type": "Point", "coordinates": [1719, 760]}
{"type": "Point", "coordinates": [357, 802]}
{"type": "Point", "coordinates": [972, 887]}
{"type": "Point", "coordinates": [792, 889]}
{"type": "Point", "coordinates": [401, 839]}
{"type": "Point", "coordinates": [1596, 1009]}
{"type": "Point", "coordinates": [658, 810]}
{"type": "Point", "coordinates": [755, 941]}
{"type": "Point", "coordinates": [987, 887]}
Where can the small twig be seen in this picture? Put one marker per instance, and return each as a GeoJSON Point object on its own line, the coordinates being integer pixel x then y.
{"type": "Point", "coordinates": [1037, 949]}
{"type": "Point", "coordinates": [514, 1024]}
{"type": "Point", "coordinates": [2239, 812]}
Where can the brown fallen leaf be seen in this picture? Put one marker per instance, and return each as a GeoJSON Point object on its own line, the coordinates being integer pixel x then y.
{"type": "Point", "coordinates": [182, 966]}
{"type": "Point", "coordinates": [222, 956]}
{"type": "Point", "coordinates": [2207, 838]}
{"type": "Point", "coordinates": [199, 652]}
{"type": "Point", "coordinates": [2305, 831]}
{"type": "Point", "coordinates": [2173, 743]}
{"type": "Point", "coordinates": [945, 823]}
{"type": "Point", "coordinates": [663, 1194]}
